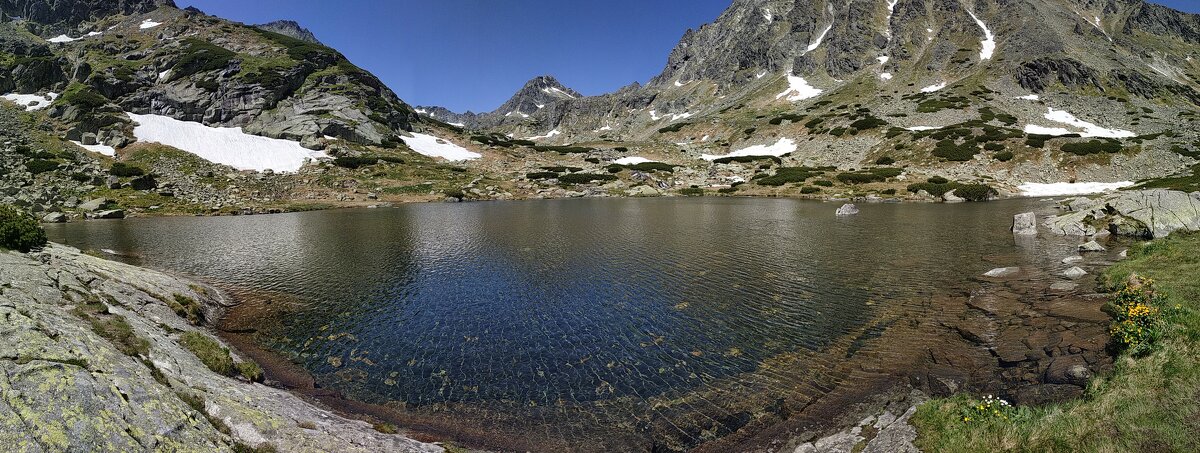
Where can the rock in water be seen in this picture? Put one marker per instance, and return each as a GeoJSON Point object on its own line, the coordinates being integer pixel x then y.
{"type": "Point", "coordinates": [1025, 224]}
{"type": "Point", "coordinates": [55, 217]}
{"type": "Point", "coordinates": [1002, 272]}
{"type": "Point", "coordinates": [951, 197]}
{"type": "Point", "coordinates": [847, 210]}
{"type": "Point", "coordinates": [1072, 259]}
{"type": "Point", "coordinates": [112, 214]}
{"type": "Point", "coordinates": [643, 191]}
{"type": "Point", "coordinates": [1074, 273]}
{"type": "Point", "coordinates": [1092, 246]}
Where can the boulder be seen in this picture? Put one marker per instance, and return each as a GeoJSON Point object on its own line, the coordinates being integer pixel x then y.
{"type": "Point", "coordinates": [643, 191]}
{"type": "Point", "coordinates": [111, 214]}
{"type": "Point", "coordinates": [951, 197]}
{"type": "Point", "coordinates": [1070, 369]}
{"type": "Point", "coordinates": [1074, 273]}
{"type": "Point", "coordinates": [88, 139]}
{"type": "Point", "coordinates": [1063, 286]}
{"type": "Point", "coordinates": [1025, 224]}
{"type": "Point", "coordinates": [94, 204]}
{"type": "Point", "coordinates": [1072, 259]}
{"type": "Point", "coordinates": [847, 210]}
{"type": "Point", "coordinates": [55, 217]}
{"type": "Point", "coordinates": [1092, 246]}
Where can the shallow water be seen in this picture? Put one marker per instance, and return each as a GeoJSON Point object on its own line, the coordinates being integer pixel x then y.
{"type": "Point", "coordinates": [586, 324]}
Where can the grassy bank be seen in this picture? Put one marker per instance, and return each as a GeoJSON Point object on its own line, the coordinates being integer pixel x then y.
{"type": "Point", "coordinates": [1148, 403]}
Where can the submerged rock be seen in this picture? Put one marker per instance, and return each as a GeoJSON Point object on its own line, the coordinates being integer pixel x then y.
{"type": "Point", "coordinates": [847, 210]}
{"type": "Point", "coordinates": [1092, 246]}
{"type": "Point", "coordinates": [1002, 272]}
{"type": "Point", "coordinates": [1074, 273]}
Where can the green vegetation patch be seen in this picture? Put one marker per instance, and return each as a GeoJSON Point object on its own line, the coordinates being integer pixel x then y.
{"type": "Point", "coordinates": [1187, 183]}
{"type": "Point", "coordinates": [584, 178]}
{"type": "Point", "coordinates": [124, 170]}
{"type": "Point", "coordinates": [747, 159]}
{"type": "Point", "coordinates": [787, 175]}
{"type": "Point", "coordinates": [188, 308]}
{"type": "Point", "coordinates": [563, 149]}
{"type": "Point", "coordinates": [674, 128]}
{"type": "Point", "coordinates": [692, 192]}
{"type": "Point", "coordinates": [354, 162]}
{"type": "Point", "coordinates": [868, 176]}
{"type": "Point", "coordinates": [200, 56]}
{"type": "Point", "coordinates": [1147, 403]}
{"type": "Point", "coordinates": [83, 96]}
{"type": "Point", "coordinates": [20, 231]}
{"type": "Point", "coordinates": [39, 166]}
{"type": "Point", "coordinates": [1093, 147]}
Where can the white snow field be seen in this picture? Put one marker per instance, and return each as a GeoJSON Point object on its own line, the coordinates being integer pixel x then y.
{"type": "Point", "coordinates": [821, 37]}
{"type": "Point", "coordinates": [1089, 129]}
{"type": "Point", "coordinates": [681, 116]}
{"type": "Point", "coordinates": [932, 88]}
{"type": "Point", "coordinates": [923, 128]}
{"type": "Point", "coordinates": [783, 146]}
{"type": "Point", "coordinates": [1029, 97]}
{"type": "Point", "coordinates": [31, 101]}
{"type": "Point", "coordinates": [631, 160]}
{"type": "Point", "coordinates": [551, 134]}
{"type": "Point", "coordinates": [62, 39]}
{"type": "Point", "coordinates": [224, 145]}
{"type": "Point", "coordinates": [989, 40]}
{"type": "Point", "coordinates": [1065, 188]}
{"type": "Point", "coordinates": [431, 146]}
{"type": "Point", "coordinates": [798, 90]}
{"type": "Point", "coordinates": [98, 149]}
{"type": "Point", "coordinates": [146, 24]}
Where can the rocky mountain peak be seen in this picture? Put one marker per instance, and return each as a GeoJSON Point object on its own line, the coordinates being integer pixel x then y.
{"type": "Point", "coordinates": [536, 95]}
{"type": "Point", "coordinates": [290, 28]}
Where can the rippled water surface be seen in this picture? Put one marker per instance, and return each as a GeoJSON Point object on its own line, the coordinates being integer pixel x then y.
{"type": "Point", "coordinates": [631, 321]}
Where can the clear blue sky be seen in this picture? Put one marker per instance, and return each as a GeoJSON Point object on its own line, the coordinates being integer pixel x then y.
{"type": "Point", "coordinates": [474, 54]}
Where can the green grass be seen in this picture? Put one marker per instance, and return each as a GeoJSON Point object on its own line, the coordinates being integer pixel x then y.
{"type": "Point", "coordinates": [1148, 403]}
{"type": "Point", "coordinates": [868, 176]}
{"type": "Point", "coordinates": [209, 351]}
{"type": "Point", "coordinates": [692, 192]}
{"type": "Point", "coordinates": [187, 307]}
{"type": "Point", "coordinates": [1186, 183]}
{"type": "Point", "coordinates": [200, 56]}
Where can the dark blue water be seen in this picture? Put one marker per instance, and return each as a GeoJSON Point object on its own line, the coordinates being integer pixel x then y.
{"type": "Point", "coordinates": [574, 317]}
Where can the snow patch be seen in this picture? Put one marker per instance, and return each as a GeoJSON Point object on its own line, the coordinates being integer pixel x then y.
{"type": "Point", "coordinates": [761, 75]}
{"type": "Point", "coordinates": [555, 90]}
{"type": "Point", "coordinates": [1066, 188]}
{"type": "Point", "coordinates": [1089, 129]}
{"type": "Point", "coordinates": [680, 116]}
{"type": "Point", "coordinates": [31, 101]}
{"type": "Point", "coordinates": [654, 115]}
{"type": "Point", "coordinates": [884, 59]}
{"type": "Point", "coordinates": [98, 149]}
{"type": "Point", "coordinates": [605, 128]}
{"type": "Point", "coordinates": [457, 124]}
{"type": "Point", "coordinates": [798, 90]}
{"type": "Point", "coordinates": [1029, 97]}
{"type": "Point", "coordinates": [431, 146]}
{"type": "Point", "coordinates": [60, 39]}
{"type": "Point", "coordinates": [632, 160]}
{"type": "Point", "coordinates": [224, 145]}
{"type": "Point", "coordinates": [678, 83]}
{"type": "Point", "coordinates": [551, 134]}
{"type": "Point", "coordinates": [932, 88]}
{"type": "Point", "coordinates": [767, 15]}
{"type": "Point", "coordinates": [923, 128]}
{"type": "Point", "coordinates": [163, 75]}
{"type": "Point", "coordinates": [94, 33]}
{"type": "Point", "coordinates": [147, 24]}
{"type": "Point", "coordinates": [989, 40]}
{"type": "Point", "coordinates": [421, 111]}
{"type": "Point", "coordinates": [886, 76]}
{"type": "Point", "coordinates": [783, 146]}
{"type": "Point", "coordinates": [820, 38]}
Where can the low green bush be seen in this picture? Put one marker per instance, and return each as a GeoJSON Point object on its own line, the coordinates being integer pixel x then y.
{"type": "Point", "coordinates": [673, 128]}
{"type": "Point", "coordinates": [823, 183]}
{"type": "Point", "coordinates": [39, 166]}
{"type": "Point", "coordinates": [20, 231]}
{"type": "Point", "coordinates": [809, 190]}
{"type": "Point", "coordinates": [541, 175]}
{"type": "Point", "coordinates": [1092, 147]}
{"type": "Point", "coordinates": [200, 56]}
{"type": "Point", "coordinates": [652, 166]}
{"type": "Point", "coordinates": [692, 192]}
{"type": "Point", "coordinates": [124, 170]}
{"type": "Point", "coordinates": [952, 152]}
{"type": "Point", "coordinates": [938, 180]}
{"type": "Point", "coordinates": [188, 308]}
{"type": "Point", "coordinates": [868, 176]}
{"type": "Point", "coordinates": [563, 149]}
{"type": "Point", "coordinates": [786, 175]}
{"type": "Point", "coordinates": [584, 178]}
{"type": "Point", "coordinates": [885, 160]}
{"type": "Point", "coordinates": [975, 192]}
{"type": "Point", "coordinates": [560, 169]}
{"type": "Point", "coordinates": [355, 162]}
{"type": "Point", "coordinates": [1004, 156]}
{"type": "Point", "coordinates": [747, 159]}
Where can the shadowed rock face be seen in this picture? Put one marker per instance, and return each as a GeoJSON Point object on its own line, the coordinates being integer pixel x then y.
{"type": "Point", "coordinates": [61, 15]}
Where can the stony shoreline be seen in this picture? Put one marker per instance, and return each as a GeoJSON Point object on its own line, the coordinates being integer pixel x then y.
{"type": "Point", "coordinates": [66, 386]}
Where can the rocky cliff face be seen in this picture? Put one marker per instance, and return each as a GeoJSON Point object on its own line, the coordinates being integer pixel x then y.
{"type": "Point", "coordinates": [92, 359]}
{"type": "Point", "coordinates": [60, 16]}
{"type": "Point", "coordinates": [292, 29]}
